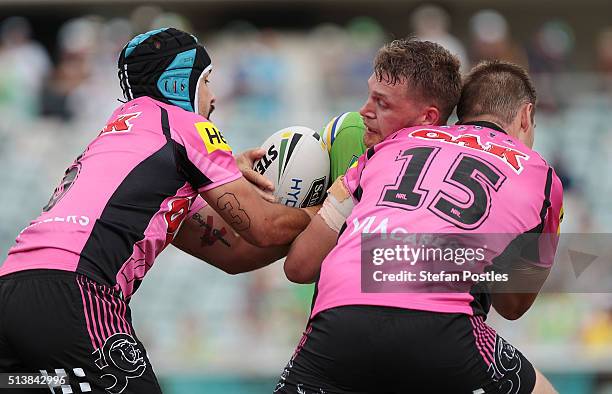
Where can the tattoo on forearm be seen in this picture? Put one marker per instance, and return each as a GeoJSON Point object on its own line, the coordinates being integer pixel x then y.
{"type": "Point", "coordinates": [240, 220]}
{"type": "Point", "coordinates": [211, 234]}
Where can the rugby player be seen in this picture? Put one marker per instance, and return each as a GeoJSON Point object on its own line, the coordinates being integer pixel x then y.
{"type": "Point", "coordinates": [481, 176]}
{"type": "Point", "coordinates": [346, 138]}
{"type": "Point", "coordinates": [67, 281]}
{"type": "Point", "coordinates": [423, 91]}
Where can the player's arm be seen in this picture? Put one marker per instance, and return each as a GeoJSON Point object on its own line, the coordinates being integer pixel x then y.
{"type": "Point", "coordinates": [308, 251]}
{"type": "Point", "coordinates": [529, 270]}
{"type": "Point", "coordinates": [205, 235]}
{"type": "Point", "coordinates": [303, 262]}
{"type": "Point", "coordinates": [513, 298]}
{"type": "Point", "coordinates": [211, 169]}
{"type": "Point", "coordinates": [258, 221]}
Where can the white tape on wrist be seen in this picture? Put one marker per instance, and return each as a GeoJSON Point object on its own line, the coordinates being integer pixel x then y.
{"type": "Point", "coordinates": [337, 206]}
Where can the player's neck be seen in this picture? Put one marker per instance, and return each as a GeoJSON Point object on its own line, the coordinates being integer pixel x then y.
{"type": "Point", "coordinates": [485, 121]}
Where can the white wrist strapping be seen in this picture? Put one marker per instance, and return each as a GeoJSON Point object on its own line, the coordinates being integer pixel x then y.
{"type": "Point", "coordinates": [337, 206]}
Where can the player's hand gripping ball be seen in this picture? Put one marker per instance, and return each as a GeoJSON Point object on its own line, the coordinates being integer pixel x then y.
{"type": "Point", "coordinates": [297, 163]}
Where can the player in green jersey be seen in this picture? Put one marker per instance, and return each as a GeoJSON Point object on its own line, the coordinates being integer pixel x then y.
{"type": "Point", "coordinates": [343, 137]}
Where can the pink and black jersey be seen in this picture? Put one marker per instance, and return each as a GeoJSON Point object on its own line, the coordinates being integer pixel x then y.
{"type": "Point", "coordinates": [465, 179]}
{"type": "Point", "coordinates": [124, 198]}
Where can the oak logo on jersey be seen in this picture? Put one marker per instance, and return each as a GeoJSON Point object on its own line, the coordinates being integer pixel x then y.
{"type": "Point", "coordinates": [212, 137]}
{"type": "Point", "coordinates": [121, 124]}
{"type": "Point", "coordinates": [290, 139]}
{"type": "Point", "coordinates": [512, 157]}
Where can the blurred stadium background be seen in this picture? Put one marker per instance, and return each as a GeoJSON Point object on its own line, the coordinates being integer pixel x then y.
{"type": "Point", "coordinates": [282, 63]}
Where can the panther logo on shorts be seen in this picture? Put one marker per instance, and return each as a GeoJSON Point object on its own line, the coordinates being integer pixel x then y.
{"type": "Point", "coordinates": [506, 367]}
{"type": "Point", "coordinates": [121, 358]}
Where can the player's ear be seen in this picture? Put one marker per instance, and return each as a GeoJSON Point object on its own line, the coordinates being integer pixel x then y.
{"type": "Point", "coordinates": [431, 116]}
{"type": "Point", "coordinates": [525, 113]}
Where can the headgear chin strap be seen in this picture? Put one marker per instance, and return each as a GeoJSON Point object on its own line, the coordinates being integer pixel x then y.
{"type": "Point", "coordinates": [164, 64]}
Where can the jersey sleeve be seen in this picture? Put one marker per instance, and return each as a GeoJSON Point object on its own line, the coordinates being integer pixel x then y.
{"type": "Point", "coordinates": [207, 159]}
{"type": "Point", "coordinates": [554, 215]}
{"type": "Point", "coordinates": [541, 243]}
{"type": "Point", "coordinates": [551, 228]}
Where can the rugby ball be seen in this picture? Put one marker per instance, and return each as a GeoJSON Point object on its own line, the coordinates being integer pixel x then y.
{"type": "Point", "coordinates": [297, 163]}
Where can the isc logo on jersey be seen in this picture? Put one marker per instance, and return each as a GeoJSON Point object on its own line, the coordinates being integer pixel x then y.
{"type": "Point", "coordinates": [297, 163]}
{"type": "Point", "coordinates": [212, 137]}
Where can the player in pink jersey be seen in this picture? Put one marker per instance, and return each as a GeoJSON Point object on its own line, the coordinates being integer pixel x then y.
{"type": "Point", "coordinates": [67, 281]}
{"type": "Point", "coordinates": [478, 178]}
{"type": "Point", "coordinates": [241, 257]}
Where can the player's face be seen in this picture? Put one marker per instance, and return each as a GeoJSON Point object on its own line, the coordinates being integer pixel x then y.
{"type": "Point", "coordinates": [205, 100]}
{"type": "Point", "coordinates": [388, 109]}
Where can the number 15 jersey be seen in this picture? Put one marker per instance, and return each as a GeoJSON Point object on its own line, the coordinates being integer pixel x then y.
{"type": "Point", "coordinates": [441, 180]}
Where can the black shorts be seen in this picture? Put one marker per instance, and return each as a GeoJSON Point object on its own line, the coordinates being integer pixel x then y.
{"type": "Point", "coordinates": [62, 322]}
{"type": "Point", "coordinates": [371, 349]}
